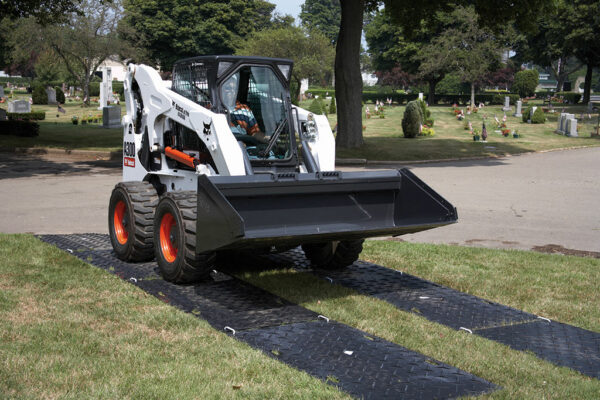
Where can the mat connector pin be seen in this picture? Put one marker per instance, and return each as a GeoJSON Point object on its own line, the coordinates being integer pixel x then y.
{"type": "Point", "coordinates": [230, 329]}
{"type": "Point", "coordinates": [462, 328]}
{"type": "Point", "coordinates": [544, 319]}
{"type": "Point", "coordinates": [132, 279]}
{"type": "Point", "coordinates": [324, 317]}
{"type": "Point", "coordinates": [70, 251]}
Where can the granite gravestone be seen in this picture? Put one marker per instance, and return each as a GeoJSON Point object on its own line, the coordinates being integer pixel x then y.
{"type": "Point", "coordinates": [2, 114]}
{"type": "Point", "coordinates": [106, 95]}
{"type": "Point", "coordinates": [420, 96]}
{"type": "Point", "coordinates": [51, 95]}
{"type": "Point", "coordinates": [71, 91]}
{"type": "Point", "coordinates": [531, 111]}
{"type": "Point", "coordinates": [111, 117]}
{"type": "Point", "coordinates": [19, 106]}
{"type": "Point", "coordinates": [518, 112]}
{"type": "Point", "coordinates": [506, 104]}
{"type": "Point", "coordinates": [571, 128]}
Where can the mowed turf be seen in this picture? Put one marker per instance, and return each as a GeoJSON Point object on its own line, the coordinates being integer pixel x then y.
{"type": "Point", "coordinates": [384, 139]}
{"type": "Point", "coordinates": [71, 330]}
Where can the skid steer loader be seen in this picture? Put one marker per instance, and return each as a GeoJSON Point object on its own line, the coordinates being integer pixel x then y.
{"type": "Point", "coordinates": [219, 160]}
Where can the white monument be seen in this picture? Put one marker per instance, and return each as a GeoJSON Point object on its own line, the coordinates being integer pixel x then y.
{"type": "Point", "coordinates": [420, 96]}
{"type": "Point", "coordinates": [518, 112]}
{"type": "Point", "coordinates": [506, 104]}
{"type": "Point", "coordinates": [106, 91]}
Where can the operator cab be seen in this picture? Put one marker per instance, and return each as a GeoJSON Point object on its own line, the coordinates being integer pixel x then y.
{"type": "Point", "coordinates": [253, 92]}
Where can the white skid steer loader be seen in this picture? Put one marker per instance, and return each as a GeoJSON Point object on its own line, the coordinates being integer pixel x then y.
{"type": "Point", "coordinates": [220, 160]}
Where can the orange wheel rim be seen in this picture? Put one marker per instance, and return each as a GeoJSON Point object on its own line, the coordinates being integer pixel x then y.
{"type": "Point", "coordinates": [120, 223]}
{"type": "Point", "coordinates": [168, 244]}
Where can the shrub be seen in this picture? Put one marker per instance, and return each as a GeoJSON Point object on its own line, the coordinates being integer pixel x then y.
{"type": "Point", "coordinates": [427, 131]}
{"type": "Point", "coordinates": [572, 98]}
{"type": "Point", "coordinates": [39, 95]}
{"type": "Point", "coordinates": [425, 113]}
{"type": "Point", "coordinates": [60, 95]}
{"type": "Point", "coordinates": [332, 107]}
{"type": "Point", "coordinates": [32, 116]}
{"type": "Point", "coordinates": [412, 119]}
{"type": "Point", "coordinates": [317, 106]}
{"type": "Point", "coordinates": [94, 89]}
{"type": "Point", "coordinates": [525, 82]}
{"type": "Point", "coordinates": [19, 128]}
{"type": "Point", "coordinates": [538, 116]}
{"type": "Point", "coordinates": [526, 113]}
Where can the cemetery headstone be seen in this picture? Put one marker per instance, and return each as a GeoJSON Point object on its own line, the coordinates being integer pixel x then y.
{"type": "Point", "coordinates": [2, 114]}
{"type": "Point", "coordinates": [106, 96]}
{"type": "Point", "coordinates": [71, 91]}
{"type": "Point", "coordinates": [420, 96]}
{"type": "Point", "coordinates": [572, 127]}
{"type": "Point", "coordinates": [506, 104]}
{"type": "Point", "coordinates": [111, 117]}
{"type": "Point", "coordinates": [19, 106]}
{"type": "Point", "coordinates": [51, 95]}
{"type": "Point", "coordinates": [519, 106]}
{"type": "Point", "coordinates": [559, 123]}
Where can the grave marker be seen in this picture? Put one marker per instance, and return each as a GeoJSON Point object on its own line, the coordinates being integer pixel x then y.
{"type": "Point", "coordinates": [19, 106]}
{"type": "Point", "coordinates": [111, 117]}
{"type": "Point", "coordinates": [51, 95]}
{"type": "Point", "coordinates": [506, 104]}
{"type": "Point", "coordinates": [518, 112]}
{"type": "Point", "coordinates": [572, 128]}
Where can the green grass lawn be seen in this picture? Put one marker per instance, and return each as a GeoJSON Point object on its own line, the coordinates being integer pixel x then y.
{"type": "Point", "coordinates": [384, 139]}
{"type": "Point", "coordinates": [59, 131]}
{"type": "Point", "coordinates": [71, 330]}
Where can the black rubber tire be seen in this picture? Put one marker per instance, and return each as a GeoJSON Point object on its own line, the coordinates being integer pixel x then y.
{"type": "Point", "coordinates": [140, 199]}
{"type": "Point", "coordinates": [333, 255]}
{"type": "Point", "coordinates": [186, 266]}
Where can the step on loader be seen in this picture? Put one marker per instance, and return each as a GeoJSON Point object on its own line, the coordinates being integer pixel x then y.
{"type": "Point", "coordinates": [219, 160]}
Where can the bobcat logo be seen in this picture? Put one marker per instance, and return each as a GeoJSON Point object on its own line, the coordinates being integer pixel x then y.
{"type": "Point", "coordinates": [206, 130]}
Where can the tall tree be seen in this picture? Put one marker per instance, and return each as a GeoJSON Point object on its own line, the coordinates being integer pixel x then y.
{"type": "Point", "coordinates": [82, 42]}
{"type": "Point", "coordinates": [463, 47]}
{"type": "Point", "coordinates": [410, 15]}
{"type": "Point", "coordinates": [582, 25]}
{"type": "Point", "coordinates": [323, 16]}
{"type": "Point", "coordinates": [44, 11]}
{"type": "Point", "coordinates": [312, 52]}
{"type": "Point", "coordinates": [175, 29]}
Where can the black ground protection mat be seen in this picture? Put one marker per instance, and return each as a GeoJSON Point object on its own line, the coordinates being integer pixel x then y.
{"type": "Point", "coordinates": [561, 344]}
{"type": "Point", "coordinates": [358, 363]}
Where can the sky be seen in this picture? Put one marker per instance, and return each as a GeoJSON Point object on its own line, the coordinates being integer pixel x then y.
{"type": "Point", "coordinates": [291, 7]}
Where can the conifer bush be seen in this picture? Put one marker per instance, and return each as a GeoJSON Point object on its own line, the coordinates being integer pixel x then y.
{"type": "Point", "coordinates": [412, 119]}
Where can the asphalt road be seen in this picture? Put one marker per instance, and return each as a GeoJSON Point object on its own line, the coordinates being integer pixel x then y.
{"type": "Point", "coordinates": [521, 202]}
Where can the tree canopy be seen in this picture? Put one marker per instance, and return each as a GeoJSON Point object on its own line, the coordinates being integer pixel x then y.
{"type": "Point", "coordinates": [311, 51]}
{"type": "Point", "coordinates": [323, 16]}
{"type": "Point", "coordinates": [176, 29]}
{"type": "Point", "coordinates": [44, 11]}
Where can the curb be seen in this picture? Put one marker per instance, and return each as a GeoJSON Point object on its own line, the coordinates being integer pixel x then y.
{"type": "Point", "coordinates": [364, 162]}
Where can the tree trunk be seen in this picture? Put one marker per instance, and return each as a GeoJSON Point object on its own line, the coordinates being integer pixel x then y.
{"type": "Point", "coordinates": [587, 87]}
{"type": "Point", "coordinates": [86, 90]}
{"type": "Point", "coordinates": [472, 94]}
{"type": "Point", "coordinates": [562, 77]}
{"type": "Point", "coordinates": [431, 95]}
{"type": "Point", "coordinates": [348, 80]}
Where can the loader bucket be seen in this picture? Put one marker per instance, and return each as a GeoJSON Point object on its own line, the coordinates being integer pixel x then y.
{"type": "Point", "coordinates": [290, 209]}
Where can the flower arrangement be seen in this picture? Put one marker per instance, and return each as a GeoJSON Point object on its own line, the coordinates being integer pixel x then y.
{"type": "Point", "coordinates": [505, 132]}
{"type": "Point", "coordinates": [475, 132]}
{"type": "Point", "coordinates": [75, 119]}
{"type": "Point", "coordinates": [427, 131]}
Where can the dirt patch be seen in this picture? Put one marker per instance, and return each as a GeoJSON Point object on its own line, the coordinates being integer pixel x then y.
{"type": "Point", "coordinates": [558, 249]}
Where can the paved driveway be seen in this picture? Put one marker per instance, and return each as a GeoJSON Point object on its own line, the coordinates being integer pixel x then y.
{"type": "Point", "coordinates": [514, 202]}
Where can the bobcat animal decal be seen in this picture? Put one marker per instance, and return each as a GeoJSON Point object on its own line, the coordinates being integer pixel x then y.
{"type": "Point", "coordinates": [206, 130]}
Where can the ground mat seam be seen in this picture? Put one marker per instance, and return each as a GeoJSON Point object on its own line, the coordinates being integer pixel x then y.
{"type": "Point", "coordinates": [360, 364]}
{"type": "Point", "coordinates": [562, 344]}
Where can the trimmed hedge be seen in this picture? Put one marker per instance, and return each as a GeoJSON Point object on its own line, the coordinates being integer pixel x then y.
{"type": "Point", "coordinates": [525, 82]}
{"type": "Point", "coordinates": [317, 106]}
{"type": "Point", "coordinates": [571, 97]}
{"type": "Point", "coordinates": [499, 98]}
{"type": "Point", "coordinates": [32, 116]}
{"type": "Point", "coordinates": [19, 128]}
{"type": "Point", "coordinates": [404, 98]}
{"type": "Point", "coordinates": [60, 95]}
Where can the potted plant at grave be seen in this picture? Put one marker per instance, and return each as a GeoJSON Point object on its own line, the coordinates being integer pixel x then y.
{"type": "Point", "coordinates": [75, 119]}
{"type": "Point", "coordinates": [476, 136]}
{"type": "Point", "coordinates": [83, 120]}
{"type": "Point", "coordinates": [515, 134]}
{"type": "Point", "coordinates": [505, 132]}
